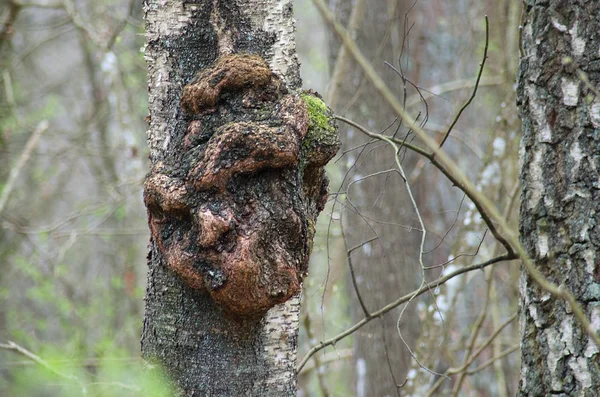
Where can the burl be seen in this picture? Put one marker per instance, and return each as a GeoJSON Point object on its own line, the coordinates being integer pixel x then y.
{"type": "Point", "coordinates": [233, 209]}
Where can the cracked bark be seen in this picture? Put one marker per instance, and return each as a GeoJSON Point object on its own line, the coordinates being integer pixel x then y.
{"type": "Point", "coordinates": [209, 348]}
{"type": "Point", "coordinates": [559, 226]}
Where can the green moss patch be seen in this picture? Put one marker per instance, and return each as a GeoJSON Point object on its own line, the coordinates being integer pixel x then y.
{"type": "Point", "coordinates": [321, 141]}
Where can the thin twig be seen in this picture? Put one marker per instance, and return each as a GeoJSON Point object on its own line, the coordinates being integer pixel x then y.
{"type": "Point", "coordinates": [321, 379]}
{"type": "Point", "coordinates": [472, 357]}
{"type": "Point", "coordinates": [392, 305]}
{"type": "Point", "coordinates": [397, 385]}
{"type": "Point", "coordinates": [508, 238]}
{"type": "Point", "coordinates": [450, 228]}
{"type": "Point", "coordinates": [485, 206]}
{"type": "Point", "coordinates": [6, 30]}
{"type": "Point", "coordinates": [342, 61]}
{"type": "Point", "coordinates": [51, 5]}
{"type": "Point", "coordinates": [494, 359]}
{"type": "Point", "coordinates": [341, 354]}
{"type": "Point", "coordinates": [461, 84]}
{"type": "Point", "coordinates": [491, 217]}
{"type": "Point", "coordinates": [466, 105]}
{"type": "Point", "coordinates": [498, 369]}
{"type": "Point", "coordinates": [474, 254]}
{"type": "Point", "coordinates": [352, 274]}
{"type": "Point", "coordinates": [421, 248]}
{"type": "Point", "coordinates": [474, 333]}
{"type": "Point", "coordinates": [25, 155]}
{"type": "Point", "coordinates": [38, 360]}
{"type": "Point", "coordinates": [469, 189]}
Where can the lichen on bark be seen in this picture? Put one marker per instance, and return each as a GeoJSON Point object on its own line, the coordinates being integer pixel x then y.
{"type": "Point", "coordinates": [560, 196]}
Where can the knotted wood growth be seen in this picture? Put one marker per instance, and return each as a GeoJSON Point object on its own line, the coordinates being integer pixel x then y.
{"type": "Point", "coordinates": [233, 213]}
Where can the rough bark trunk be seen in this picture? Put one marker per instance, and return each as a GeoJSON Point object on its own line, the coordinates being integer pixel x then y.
{"type": "Point", "coordinates": [236, 183]}
{"type": "Point", "coordinates": [560, 152]}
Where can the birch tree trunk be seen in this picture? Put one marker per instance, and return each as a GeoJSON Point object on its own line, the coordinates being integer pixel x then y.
{"type": "Point", "coordinates": [234, 189]}
{"type": "Point", "coordinates": [560, 111]}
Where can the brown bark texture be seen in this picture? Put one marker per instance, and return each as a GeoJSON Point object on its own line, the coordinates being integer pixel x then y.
{"type": "Point", "coordinates": [558, 85]}
{"type": "Point", "coordinates": [235, 186]}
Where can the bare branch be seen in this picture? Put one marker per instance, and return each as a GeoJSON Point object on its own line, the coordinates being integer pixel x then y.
{"type": "Point", "coordinates": [492, 360]}
{"type": "Point", "coordinates": [38, 360]}
{"type": "Point", "coordinates": [16, 170]}
{"type": "Point", "coordinates": [468, 188]}
{"type": "Point", "coordinates": [427, 287]}
{"type": "Point", "coordinates": [352, 275]}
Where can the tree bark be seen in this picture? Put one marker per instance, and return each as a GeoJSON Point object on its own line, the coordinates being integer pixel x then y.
{"type": "Point", "coordinates": [560, 111]}
{"type": "Point", "coordinates": [235, 186]}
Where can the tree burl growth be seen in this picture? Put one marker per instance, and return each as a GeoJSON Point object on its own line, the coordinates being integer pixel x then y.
{"type": "Point", "coordinates": [233, 211]}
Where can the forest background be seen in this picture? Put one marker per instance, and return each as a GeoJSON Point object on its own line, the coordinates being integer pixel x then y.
{"type": "Point", "coordinates": [73, 231]}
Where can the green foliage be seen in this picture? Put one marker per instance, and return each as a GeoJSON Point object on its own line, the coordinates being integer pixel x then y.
{"type": "Point", "coordinates": [69, 293]}
{"type": "Point", "coordinates": [93, 345]}
{"type": "Point", "coordinates": [58, 373]}
{"type": "Point", "coordinates": [85, 357]}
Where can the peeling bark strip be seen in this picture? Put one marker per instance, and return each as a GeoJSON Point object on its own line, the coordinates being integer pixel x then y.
{"type": "Point", "coordinates": [235, 186]}
{"type": "Point", "coordinates": [560, 221]}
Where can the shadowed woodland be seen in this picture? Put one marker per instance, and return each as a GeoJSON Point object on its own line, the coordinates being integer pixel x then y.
{"type": "Point", "coordinates": [413, 281]}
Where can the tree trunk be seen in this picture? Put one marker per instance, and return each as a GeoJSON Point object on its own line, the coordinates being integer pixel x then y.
{"type": "Point", "coordinates": [235, 186]}
{"type": "Point", "coordinates": [560, 112]}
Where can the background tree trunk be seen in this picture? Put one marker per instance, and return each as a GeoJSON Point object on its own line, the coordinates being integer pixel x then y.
{"type": "Point", "coordinates": [560, 112]}
{"type": "Point", "coordinates": [377, 206]}
{"type": "Point", "coordinates": [204, 351]}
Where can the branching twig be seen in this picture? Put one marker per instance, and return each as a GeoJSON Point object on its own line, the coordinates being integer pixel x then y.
{"type": "Point", "coordinates": [469, 360]}
{"type": "Point", "coordinates": [503, 233]}
{"type": "Point", "coordinates": [468, 188]}
{"type": "Point", "coordinates": [390, 306]}
{"type": "Point", "coordinates": [421, 246]}
{"type": "Point", "coordinates": [484, 204]}
{"type": "Point", "coordinates": [352, 275]}
{"type": "Point", "coordinates": [487, 210]}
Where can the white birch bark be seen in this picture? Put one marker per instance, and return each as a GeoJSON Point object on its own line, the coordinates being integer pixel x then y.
{"type": "Point", "coordinates": [560, 153]}
{"type": "Point", "coordinates": [202, 352]}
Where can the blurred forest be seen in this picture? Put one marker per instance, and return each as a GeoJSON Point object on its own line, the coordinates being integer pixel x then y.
{"type": "Point", "coordinates": [73, 232]}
